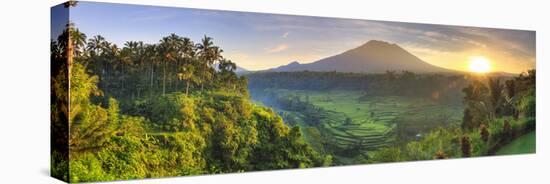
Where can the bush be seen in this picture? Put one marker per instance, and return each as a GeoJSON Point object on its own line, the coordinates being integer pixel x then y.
{"type": "Point", "coordinates": [391, 154]}
{"type": "Point", "coordinates": [86, 167]}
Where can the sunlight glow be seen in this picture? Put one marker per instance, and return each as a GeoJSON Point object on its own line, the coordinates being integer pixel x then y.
{"type": "Point", "coordinates": [479, 64]}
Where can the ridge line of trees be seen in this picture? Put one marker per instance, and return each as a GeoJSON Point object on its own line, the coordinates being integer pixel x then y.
{"type": "Point", "coordinates": [174, 64]}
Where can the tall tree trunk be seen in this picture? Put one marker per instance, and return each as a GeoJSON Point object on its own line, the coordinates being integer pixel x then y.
{"type": "Point", "coordinates": [164, 79]}
{"type": "Point", "coordinates": [151, 85]}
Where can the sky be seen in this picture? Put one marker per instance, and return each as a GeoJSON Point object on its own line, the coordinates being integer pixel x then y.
{"type": "Point", "coordinates": [258, 41]}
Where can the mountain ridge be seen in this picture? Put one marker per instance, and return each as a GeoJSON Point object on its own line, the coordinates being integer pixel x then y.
{"type": "Point", "coordinates": [374, 56]}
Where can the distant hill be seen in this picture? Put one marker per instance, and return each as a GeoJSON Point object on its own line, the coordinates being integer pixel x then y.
{"type": "Point", "coordinates": [372, 57]}
{"type": "Point", "coordinates": [241, 70]}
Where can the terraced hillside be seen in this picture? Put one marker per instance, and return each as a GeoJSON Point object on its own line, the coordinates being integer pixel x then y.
{"type": "Point", "coordinates": [355, 123]}
{"type": "Point", "coordinates": [357, 135]}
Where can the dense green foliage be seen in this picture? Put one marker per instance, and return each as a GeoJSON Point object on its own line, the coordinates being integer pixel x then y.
{"type": "Point", "coordinates": [452, 143]}
{"type": "Point", "coordinates": [495, 99]}
{"type": "Point", "coordinates": [199, 121]}
{"type": "Point", "coordinates": [494, 116]}
{"type": "Point", "coordinates": [383, 120]}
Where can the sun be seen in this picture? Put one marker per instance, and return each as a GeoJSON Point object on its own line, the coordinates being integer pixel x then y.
{"type": "Point", "coordinates": [479, 64]}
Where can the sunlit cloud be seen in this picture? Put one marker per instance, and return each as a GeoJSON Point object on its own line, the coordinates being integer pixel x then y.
{"type": "Point", "coordinates": [278, 48]}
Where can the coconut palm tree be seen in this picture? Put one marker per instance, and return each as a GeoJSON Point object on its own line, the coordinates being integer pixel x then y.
{"type": "Point", "coordinates": [78, 40]}
{"type": "Point", "coordinates": [209, 54]}
{"type": "Point", "coordinates": [177, 54]}
{"type": "Point", "coordinates": [216, 55]}
{"type": "Point", "coordinates": [227, 68]}
{"type": "Point", "coordinates": [205, 48]}
{"type": "Point", "coordinates": [94, 45]}
{"type": "Point", "coordinates": [165, 49]}
{"type": "Point", "coordinates": [188, 48]}
{"type": "Point", "coordinates": [152, 58]}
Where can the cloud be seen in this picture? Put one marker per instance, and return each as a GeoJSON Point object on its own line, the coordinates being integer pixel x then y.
{"type": "Point", "coordinates": [278, 48]}
{"type": "Point", "coordinates": [434, 34]}
{"type": "Point", "coordinates": [285, 35]}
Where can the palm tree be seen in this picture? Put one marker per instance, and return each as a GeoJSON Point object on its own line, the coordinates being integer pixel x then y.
{"type": "Point", "coordinates": [176, 43]}
{"type": "Point", "coordinates": [95, 49]}
{"type": "Point", "coordinates": [188, 48]}
{"type": "Point", "coordinates": [152, 58]}
{"type": "Point", "coordinates": [209, 54]}
{"type": "Point", "coordinates": [216, 55]}
{"type": "Point", "coordinates": [227, 68]}
{"type": "Point", "coordinates": [78, 40]}
{"type": "Point", "coordinates": [204, 48]}
{"type": "Point", "coordinates": [204, 54]}
{"type": "Point", "coordinates": [496, 90]}
{"type": "Point", "coordinates": [95, 44]}
{"type": "Point", "coordinates": [226, 65]}
{"type": "Point", "coordinates": [111, 63]}
{"type": "Point", "coordinates": [165, 49]}
{"type": "Point", "coordinates": [127, 59]}
{"type": "Point", "coordinates": [69, 49]}
{"type": "Point", "coordinates": [134, 56]}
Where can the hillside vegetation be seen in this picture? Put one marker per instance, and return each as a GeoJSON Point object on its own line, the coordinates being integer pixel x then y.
{"type": "Point", "coordinates": [154, 110]}
{"type": "Point", "coordinates": [360, 117]}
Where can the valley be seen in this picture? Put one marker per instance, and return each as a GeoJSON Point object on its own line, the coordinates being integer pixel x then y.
{"type": "Point", "coordinates": [350, 124]}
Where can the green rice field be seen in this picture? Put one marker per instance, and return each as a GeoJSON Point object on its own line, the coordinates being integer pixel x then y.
{"type": "Point", "coordinates": [376, 121]}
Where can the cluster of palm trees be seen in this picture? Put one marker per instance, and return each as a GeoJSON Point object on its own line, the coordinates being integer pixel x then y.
{"type": "Point", "coordinates": [173, 64]}
{"type": "Point", "coordinates": [496, 99]}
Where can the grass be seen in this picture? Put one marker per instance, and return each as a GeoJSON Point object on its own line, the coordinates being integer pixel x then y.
{"type": "Point", "coordinates": [521, 145]}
